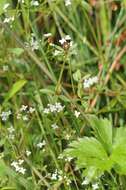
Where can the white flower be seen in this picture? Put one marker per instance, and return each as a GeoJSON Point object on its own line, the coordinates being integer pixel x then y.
{"type": "Point", "coordinates": [57, 52]}
{"type": "Point", "coordinates": [17, 166]}
{"type": "Point", "coordinates": [54, 126]}
{"type": "Point", "coordinates": [65, 39]}
{"type": "Point", "coordinates": [46, 110]}
{"type": "Point", "coordinates": [20, 161]}
{"type": "Point", "coordinates": [14, 164]}
{"type": "Point", "coordinates": [22, 170]}
{"type": "Point", "coordinates": [95, 186]}
{"type": "Point", "coordinates": [47, 35]}
{"type": "Point", "coordinates": [85, 182]}
{"type": "Point", "coordinates": [62, 41]}
{"type": "Point", "coordinates": [60, 156]}
{"type": "Point", "coordinates": [90, 81]}
{"type": "Point", "coordinates": [67, 2]}
{"type": "Point", "coordinates": [68, 159]}
{"type": "Point", "coordinates": [9, 19]}
{"type": "Point", "coordinates": [76, 113]}
{"type": "Point", "coordinates": [28, 153]}
{"type": "Point", "coordinates": [19, 116]}
{"type": "Point", "coordinates": [25, 118]}
{"type": "Point", "coordinates": [41, 144]}
{"type": "Point", "coordinates": [34, 3]}
{"type": "Point", "coordinates": [54, 108]}
{"type": "Point", "coordinates": [23, 108]}
{"type": "Point", "coordinates": [4, 115]}
{"type": "Point", "coordinates": [11, 129]}
{"type": "Point", "coordinates": [31, 110]}
{"type": "Point", "coordinates": [54, 176]}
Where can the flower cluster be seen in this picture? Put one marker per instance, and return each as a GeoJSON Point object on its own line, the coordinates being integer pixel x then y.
{"type": "Point", "coordinates": [65, 39]}
{"type": "Point", "coordinates": [24, 112]}
{"type": "Point", "coordinates": [54, 126]}
{"type": "Point", "coordinates": [11, 131]}
{"type": "Point", "coordinates": [90, 81]}
{"type": "Point", "coordinates": [8, 19]}
{"type": "Point", "coordinates": [18, 166]}
{"type": "Point", "coordinates": [58, 175]}
{"type": "Point", "coordinates": [33, 43]}
{"type": "Point", "coordinates": [5, 115]}
{"type": "Point", "coordinates": [53, 108]}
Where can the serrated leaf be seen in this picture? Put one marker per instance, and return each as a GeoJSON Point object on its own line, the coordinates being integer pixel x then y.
{"type": "Point", "coordinates": [89, 152]}
{"type": "Point", "coordinates": [103, 131]}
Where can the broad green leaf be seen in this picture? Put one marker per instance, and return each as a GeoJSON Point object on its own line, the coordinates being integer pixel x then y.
{"type": "Point", "coordinates": [15, 88]}
{"type": "Point", "coordinates": [103, 131]}
{"type": "Point", "coordinates": [89, 152]}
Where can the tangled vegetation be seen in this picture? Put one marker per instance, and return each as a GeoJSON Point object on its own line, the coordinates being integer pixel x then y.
{"type": "Point", "coordinates": [62, 94]}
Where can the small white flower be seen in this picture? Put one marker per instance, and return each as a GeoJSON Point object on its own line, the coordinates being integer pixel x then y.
{"type": "Point", "coordinates": [46, 110]}
{"type": "Point", "coordinates": [60, 156]}
{"type": "Point", "coordinates": [11, 129]}
{"type": "Point", "coordinates": [25, 118]}
{"type": "Point", "coordinates": [41, 144]}
{"type": "Point", "coordinates": [76, 113]}
{"type": "Point", "coordinates": [23, 108]}
{"type": "Point", "coordinates": [67, 2]}
{"type": "Point", "coordinates": [54, 126]}
{"type": "Point", "coordinates": [14, 164]}
{"type": "Point", "coordinates": [95, 186]}
{"type": "Point", "coordinates": [22, 170]}
{"type": "Point", "coordinates": [28, 153]}
{"type": "Point", "coordinates": [53, 108]}
{"type": "Point", "coordinates": [85, 182]}
{"type": "Point", "coordinates": [9, 19]}
{"type": "Point", "coordinates": [57, 52]}
{"type": "Point", "coordinates": [20, 161]}
{"type": "Point", "coordinates": [90, 81]}
{"type": "Point", "coordinates": [67, 37]}
{"type": "Point", "coordinates": [47, 35]}
{"type": "Point", "coordinates": [68, 159]}
{"type": "Point", "coordinates": [34, 3]}
{"type": "Point", "coordinates": [67, 136]}
{"type": "Point", "coordinates": [54, 176]}
{"type": "Point", "coordinates": [31, 110]}
{"type": "Point", "coordinates": [4, 115]}
{"type": "Point", "coordinates": [19, 116]}
{"type": "Point", "coordinates": [62, 41]}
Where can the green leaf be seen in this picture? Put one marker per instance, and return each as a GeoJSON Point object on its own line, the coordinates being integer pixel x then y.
{"type": "Point", "coordinates": [77, 75]}
{"type": "Point", "coordinates": [2, 3]}
{"type": "Point", "coordinates": [89, 152]}
{"type": "Point", "coordinates": [15, 88]}
{"type": "Point", "coordinates": [103, 131]}
{"type": "Point", "coordinates": [17, 51]}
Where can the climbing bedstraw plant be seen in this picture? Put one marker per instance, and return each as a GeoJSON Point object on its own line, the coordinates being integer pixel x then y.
{"type": "Point", "coordinates": [103, 154]}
